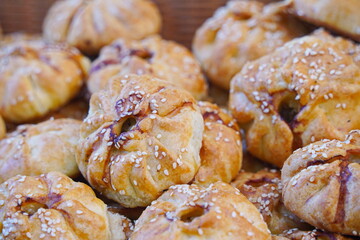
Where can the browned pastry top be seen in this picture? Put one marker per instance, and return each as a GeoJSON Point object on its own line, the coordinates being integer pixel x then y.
{"type": "Point", "coordinates": [164, 59]}
{"type": "Point", "coordinates": [218, 211]}
{"type": "Point", "coordinates": [38, 77]}
{"type": "Point", "coordinates": [239, 32]}
{"type": "Point", "coordinates": [221, 151]}
{"type": "Point", "coordinates": [40, 148]}
{"type": "Point", "coordinates": [141, 136]}
{"type": "Point", "coordinates": [52, 206]}
{"type": "Point", "coordinates": [321, 184]}
{"type": "Point", "coordinates": [91, 24]}
{"type": "Point", "coordinates": [304, 91]}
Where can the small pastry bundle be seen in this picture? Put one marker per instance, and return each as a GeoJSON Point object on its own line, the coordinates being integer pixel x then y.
{"type": "Point", "coordinates": [52, 206]}
{"type": "Point", "coordinates": [321, 184]}
{"type": "Point", "coordinates": [38, 77]}
{"type": "Point", "coordinates": [218, 211]}
{"type": "Point", "coordinates": [305, 91]}
{"type": "Point", "coordinates": [163, 59]}
{"type": "Point", "coordinates": [40, 148]}
{"type": "Point", "coordinates": [141, 136]}
{"type": "Point", "coordinates": [239, 32]}
{"type": "Point", "coordinates": [91, 24]}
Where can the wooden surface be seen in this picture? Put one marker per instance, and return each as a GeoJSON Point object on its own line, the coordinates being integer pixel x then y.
{"type": "Point", "coordinates": [180, 17]}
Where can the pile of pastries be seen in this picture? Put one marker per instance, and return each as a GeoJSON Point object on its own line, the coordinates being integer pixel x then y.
{"type": "Point", "coordinates": [108, 131]}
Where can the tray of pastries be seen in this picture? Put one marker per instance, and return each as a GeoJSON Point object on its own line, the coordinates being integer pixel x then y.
{"type": "Point", "coordinates": [167, 119]}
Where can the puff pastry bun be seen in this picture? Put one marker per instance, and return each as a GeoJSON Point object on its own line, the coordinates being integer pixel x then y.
{"type": "Point", "coordinates": [38, 77]}
{"type": "Point", "coordinates": [91, 24]}
{"type": "Point", "coordinates": [326, 174]}
{"type": "Point", "coordinates": [141, 136]}
{"type": "Point", "coordinates": [49, 207]}
{"type": "Point", "coordinates": [218, 211]}
{"type": "Point", "coordinates": [304, 91]}
{"type": "Point", "coordinates": [40, 148]}
{"type": "Point", "coordinates": [239, 32]}
{"type": "Point", "coordinates": [164, 59]}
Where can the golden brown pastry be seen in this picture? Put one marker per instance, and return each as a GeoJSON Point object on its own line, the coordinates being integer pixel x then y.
{"type": "Point", "coordinates": [340, 16]}
{"type": "Point", "coordinates": [263, 189]}
{"type": "Point", "coordinates": [164, 59]}
{"type": "Point", "coordinates": [321, 184]}
{"type": "Point", "coordinates": [239, 32]}
{"type": "Point", "coordinates": [40, 148]}
{"type": "Point", "coordinates": [2, 128]}
{"type": "Point", "coordinates": [91, 24]}
{"type": "Point", "coordinates": [141, 136]}
{"type": "Point", "coordinates": [218, 211]}
{"type": "Point", "coordinates": [37, 77]}
{"type": "Point", "coordinates": [52, 206]}
{"type": "Point", "coordinates": [316, 234]}
{"type": "Point", "coordinates": [221, 151]}
{"type": "Point", "coordinates": [251, 163]}
{"type": "Point", "coordinates": [305, 91]}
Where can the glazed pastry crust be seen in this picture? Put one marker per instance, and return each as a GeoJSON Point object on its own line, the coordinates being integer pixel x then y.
{"type": "Point", "coordinates": [340, 16]}
{"type": "Point", "coordinates": [218, 211]}
{"type": "Point", "coordinates": [37, 77]}
{"type": "Point", "coordinates": [221, 151]}
{"type": "Point", "coordinates": [263, 189]}
{"type": "Point", "coordinates": [163, 59]}
{"type": "Point", "coordinates": [40, 148]}
{"type": "Point", "coordinates": [90, 25]}
{"type": "Point", "coordinates": [239, 32]}
{"type": "Point", "coordinates": [326, 174]}
{"type": "Point", "coordinates": [141, 136]}
{"type": "Point", "coordinates": [305, 91]}
{"type": "Point", "coordinates": [49, 207]}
